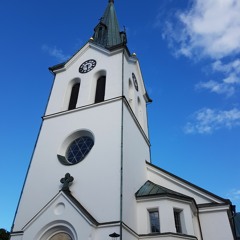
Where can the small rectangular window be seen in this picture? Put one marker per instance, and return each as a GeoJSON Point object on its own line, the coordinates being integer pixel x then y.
{"type": "Point", "coordinates": [177, 218]}
{"type": "Point", "coordinates": [154, 221]}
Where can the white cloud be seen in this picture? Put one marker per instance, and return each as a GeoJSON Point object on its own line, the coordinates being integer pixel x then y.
{"type": "Point", "coordinates": [233, 66]}
{"type": "Point", "coordinates": [234, 194]}
{"type": "Point", "coordinates": [230, 81]}
{"type": "Point", "coordinates": [206, 121]}
{"type": "Point", "coordinates": [215, 87]}
{"type": "Point", "coordinates": [210, 28]}
{"type": "Point", "coordinates": [54, 52]}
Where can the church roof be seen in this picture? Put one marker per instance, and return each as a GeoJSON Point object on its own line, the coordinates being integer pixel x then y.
{"type": "Point", "coordinates": [225, 201]}
{"type": "Point", "coordinates": [150, 189]}
{"type": "Point", "coordinates": [107, 33]}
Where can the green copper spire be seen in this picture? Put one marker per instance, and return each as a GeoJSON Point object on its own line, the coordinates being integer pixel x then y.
{"type": "Point", "coordinates": [107, 33]}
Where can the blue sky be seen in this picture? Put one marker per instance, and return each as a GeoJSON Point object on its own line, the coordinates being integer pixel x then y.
{"type": "Point", "coordinates": [189, 53]}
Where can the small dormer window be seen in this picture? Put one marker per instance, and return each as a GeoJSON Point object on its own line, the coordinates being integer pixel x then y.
{"type": "Point", "coordinates": [100, 30]}
{"type": "Point", "coordinates": [99, 33]}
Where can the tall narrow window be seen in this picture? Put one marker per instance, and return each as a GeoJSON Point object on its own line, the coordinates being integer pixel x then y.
{"type": "Point", "coordinates": [177, 219]}
{"type": "Point", "coordinates": [154, 221]}
{"type": "Point", "coordinates": [74, 96]}
{"type": "Point", "coordinates": [100, 89]}
{"type": "Point", "coordinates": [140, 112]}
{"type": "Point", "coordinates": [130, 93]}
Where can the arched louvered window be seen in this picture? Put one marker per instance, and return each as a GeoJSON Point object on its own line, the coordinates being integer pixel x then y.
{"type": "Point", "coordinates": [100, 89]}
{"type": "Point", "coordinates": [74, 96]}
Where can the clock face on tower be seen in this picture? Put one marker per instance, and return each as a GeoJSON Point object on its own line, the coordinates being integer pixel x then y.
{"type": "Point", "coordinates": [87, 66]}
{"type": "Point", "coordinates": [135, 81]}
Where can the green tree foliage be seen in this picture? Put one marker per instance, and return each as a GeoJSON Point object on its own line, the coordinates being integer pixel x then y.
{"type": "Point", "coordinates": [4, 234]}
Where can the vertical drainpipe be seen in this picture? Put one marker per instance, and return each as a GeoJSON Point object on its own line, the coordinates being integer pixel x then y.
{"type": "Point", "coordinates": [121, 180]}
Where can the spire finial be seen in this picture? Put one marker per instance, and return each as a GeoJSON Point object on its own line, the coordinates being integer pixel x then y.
{"type": "Point", "coordinates": [111, 1]}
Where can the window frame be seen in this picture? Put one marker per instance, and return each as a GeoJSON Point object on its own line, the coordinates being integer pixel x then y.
{"type": "Point", "coordinates": [152, 222]}
{"type": "Point", "coordinates": [74, 96]}
{"type": "Point", "coordinates": [131, 94]}
{"type": "Point", "coordinates": [74, 157]}
{"type": "Point", "coordinates": [100, 89]}
{"type": "Point", "coordinates": [59, 233]}
{"type": "Point", "coordinates": [62, 227]}
{"type": "Point", "coordinates": [62, 151]}
{"type": "Point", "coordinates": [178, 221]}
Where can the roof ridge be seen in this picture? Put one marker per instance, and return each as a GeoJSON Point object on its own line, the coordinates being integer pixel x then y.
{"type": "Point", "coordinates": [191, 184]}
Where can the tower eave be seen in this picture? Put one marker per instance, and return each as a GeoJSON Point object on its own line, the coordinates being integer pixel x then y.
{"type": "Point", "coordinates": [57, 67]}
{"type": "Point", "coordinates": [61, 66]}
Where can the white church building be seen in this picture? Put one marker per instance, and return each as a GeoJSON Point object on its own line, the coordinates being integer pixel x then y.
{"type": "Point", "coordinates": [91, 176]}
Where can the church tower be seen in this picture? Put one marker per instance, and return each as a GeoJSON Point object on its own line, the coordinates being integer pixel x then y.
{"type": "Point", "coordinates": [91, 152]}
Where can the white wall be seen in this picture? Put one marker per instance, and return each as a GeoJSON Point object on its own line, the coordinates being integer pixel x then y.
{"type": "Point", "coordinates": [215, 225]}
{"type": "Point", "coordinates": [135, 153]}
{"type": "Point", "coordinates": [138, 102]}
{"type": "Point", "coordinates": [96, 179]}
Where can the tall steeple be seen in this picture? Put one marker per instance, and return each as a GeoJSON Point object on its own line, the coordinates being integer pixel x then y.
{"type": "Point", "coordinates": [107, 32]}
